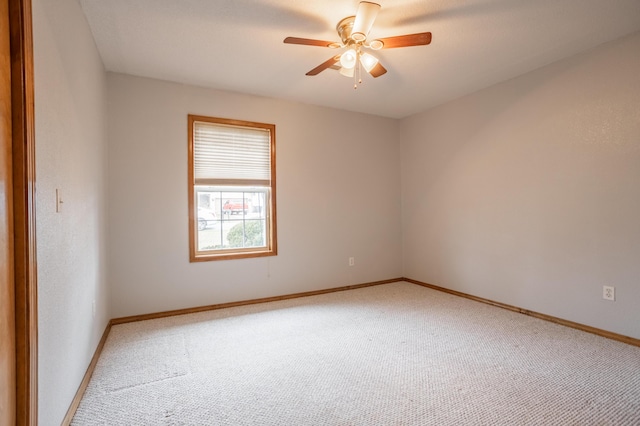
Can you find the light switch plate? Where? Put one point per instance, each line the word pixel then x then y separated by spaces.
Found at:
pixel 58 201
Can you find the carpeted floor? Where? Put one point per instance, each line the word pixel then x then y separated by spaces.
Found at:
pixel 394 354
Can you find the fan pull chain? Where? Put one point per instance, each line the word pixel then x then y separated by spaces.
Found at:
pixel 357 74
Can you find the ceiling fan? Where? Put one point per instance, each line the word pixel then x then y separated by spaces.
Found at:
pixel 353 32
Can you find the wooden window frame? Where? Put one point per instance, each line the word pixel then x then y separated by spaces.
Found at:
pixel 196 255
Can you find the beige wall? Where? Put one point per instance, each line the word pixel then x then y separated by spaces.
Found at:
pixel 70 108
pixel 528 192
pixel 337 196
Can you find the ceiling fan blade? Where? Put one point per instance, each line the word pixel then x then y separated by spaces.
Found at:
pixel 309 42
pixel 378 70
pixel 365 16
pixel 418 39
pixel 323 66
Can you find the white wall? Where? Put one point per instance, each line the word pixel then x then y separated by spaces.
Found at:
pixel 70 108
pixel 337 196
pixel 528 192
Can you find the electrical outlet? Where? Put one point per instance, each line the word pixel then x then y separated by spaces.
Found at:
pixel 608 292
pixel 352 261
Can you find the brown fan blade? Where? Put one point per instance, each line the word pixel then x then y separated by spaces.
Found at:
pixel 323 66
pixel 418 39
pixel 309 42
pixel 378 70
pixel 365 16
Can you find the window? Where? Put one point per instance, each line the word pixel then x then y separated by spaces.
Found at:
pixel 232 192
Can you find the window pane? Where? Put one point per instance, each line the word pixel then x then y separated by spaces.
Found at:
pixel 231 218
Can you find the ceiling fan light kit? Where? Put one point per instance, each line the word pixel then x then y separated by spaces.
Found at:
pixel 353 32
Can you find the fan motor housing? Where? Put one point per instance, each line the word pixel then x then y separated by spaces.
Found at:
pixel 344 28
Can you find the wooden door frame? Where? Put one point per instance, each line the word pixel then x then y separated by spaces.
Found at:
pixel 24 218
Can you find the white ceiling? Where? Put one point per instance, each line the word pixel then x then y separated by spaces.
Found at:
pixel 236 45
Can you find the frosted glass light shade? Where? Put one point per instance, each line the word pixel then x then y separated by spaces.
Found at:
pixel 368 61
pixel 348 59
pixel 347 72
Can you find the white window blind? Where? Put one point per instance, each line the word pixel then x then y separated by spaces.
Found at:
pixel 224 152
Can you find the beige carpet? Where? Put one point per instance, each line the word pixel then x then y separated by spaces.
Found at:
pixel 395 354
